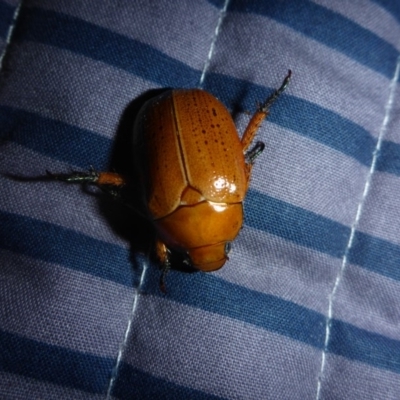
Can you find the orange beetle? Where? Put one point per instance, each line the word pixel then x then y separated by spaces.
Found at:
pixel 194 171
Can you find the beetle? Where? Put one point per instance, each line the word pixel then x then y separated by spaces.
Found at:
pixel 194 174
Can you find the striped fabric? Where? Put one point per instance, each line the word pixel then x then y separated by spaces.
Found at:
pixel 308 307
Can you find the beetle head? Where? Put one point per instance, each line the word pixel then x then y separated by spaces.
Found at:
pixel 210 258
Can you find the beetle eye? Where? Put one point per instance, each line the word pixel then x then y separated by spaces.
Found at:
pixel 228 247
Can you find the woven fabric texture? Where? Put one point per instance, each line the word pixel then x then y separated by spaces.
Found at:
pixel 308 306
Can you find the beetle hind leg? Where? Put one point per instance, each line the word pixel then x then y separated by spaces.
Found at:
pixel 261 113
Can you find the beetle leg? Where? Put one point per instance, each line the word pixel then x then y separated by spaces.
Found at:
pixel 252 128
pixel 253 153
pixel 250 157
pixel 165 270
pixel 261 113
pixel 163 254
pixel 92 176
pixel 109 182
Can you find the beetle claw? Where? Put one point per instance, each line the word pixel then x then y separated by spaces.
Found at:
pixel 267 104
pixel 75 176
pixel 253 153
pixel 165 270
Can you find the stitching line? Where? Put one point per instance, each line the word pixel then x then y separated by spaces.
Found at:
pixel 122 347
pixel 382 131
pixel 9 33
pixel 222 14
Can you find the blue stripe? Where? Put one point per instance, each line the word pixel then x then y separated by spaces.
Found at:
pixel 375 254
pixel 327 27
pixel 322 234
pixel 54 364
pixel 219 4
pixel 55 244
pixel 100 44
pixel 215 295
pixel 142 60
pixel 73 145
pixel 293 223
pixel 391 6
pixel 371 348
pixel 134 384
pixel 6 19
pixel 389 158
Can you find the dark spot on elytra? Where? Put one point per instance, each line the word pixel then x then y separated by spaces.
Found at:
pixel 205 142
pixel 214 112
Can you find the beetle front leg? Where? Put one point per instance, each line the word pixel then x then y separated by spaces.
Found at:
pixel 163 255
pixel 259 116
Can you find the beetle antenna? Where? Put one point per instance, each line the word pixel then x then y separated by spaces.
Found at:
pixel 271 99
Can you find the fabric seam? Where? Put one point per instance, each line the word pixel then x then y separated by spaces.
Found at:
pixel 222 14
pixel 382 131
pixel 10 33
pixel 122 347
